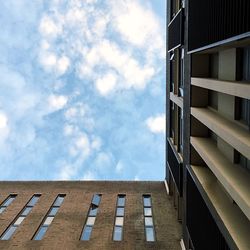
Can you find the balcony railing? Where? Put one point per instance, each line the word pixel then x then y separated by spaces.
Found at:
pixel 214 21
pixel 175 168
pixel 201 226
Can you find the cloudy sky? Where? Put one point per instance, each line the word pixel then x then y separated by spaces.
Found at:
pixel 82 89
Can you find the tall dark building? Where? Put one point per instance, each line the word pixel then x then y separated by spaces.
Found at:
pixel 208 111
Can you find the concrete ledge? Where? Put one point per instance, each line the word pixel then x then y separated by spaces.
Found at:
pixel 182 245
pixel 232 217
pixel 176 99
pixel 166 186
pixel 234 178
pixel 235 135
pixel 239 89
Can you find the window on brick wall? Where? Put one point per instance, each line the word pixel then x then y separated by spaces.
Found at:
pixel 148 218
pixel 7 202
pixel 47 220
pixel 20 218
pixel 90 221
pixel 119 218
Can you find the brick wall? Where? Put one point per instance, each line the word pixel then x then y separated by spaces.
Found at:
pixel 66 228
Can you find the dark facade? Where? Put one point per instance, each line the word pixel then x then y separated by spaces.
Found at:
pixel 87 215
pixel 208 106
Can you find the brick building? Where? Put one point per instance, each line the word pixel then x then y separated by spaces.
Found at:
pixel 87 215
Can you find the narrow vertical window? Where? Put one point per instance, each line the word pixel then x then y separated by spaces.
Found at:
pixel 148 218
pixel 89 224
pixel 20 218
pixel 7 202
pixel 119 217
pixel 49 217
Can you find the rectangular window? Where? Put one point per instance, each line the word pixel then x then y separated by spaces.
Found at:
pixel 20 218
pixel 148 218
pixel 172 120
pixel 89 224
pixel 213 99
pixel 180 137
pixel 119 219
pixel 241 160
pixel 47 220
pixel 7 202
pixel 246 64
pixel 181 73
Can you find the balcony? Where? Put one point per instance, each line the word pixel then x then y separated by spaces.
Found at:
pixel 203 230
pixel 230 132
pixel 239 89
pixel 235 222
pixel 213 22
pixel 234 179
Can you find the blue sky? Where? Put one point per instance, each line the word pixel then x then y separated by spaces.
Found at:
pixel 82 90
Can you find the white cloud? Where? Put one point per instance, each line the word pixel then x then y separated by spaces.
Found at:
pixel 80 146
pixel 68 130
pixel 51 62
pixel 76 113
pixel 103 161
pixel 4 128
pixel 85 32
pixel 57 102
pixel 49 28
pixel 45 45
pixel 136 178
pixel 48 60
pixel 157 124
pixel 119 167
pixel 3 120
pixel 96 143
pixel 63 64
pixel 70 113
pixel 106 84
pixel 136 23
pixel 66 172
pixel 83 142
pixel 89 175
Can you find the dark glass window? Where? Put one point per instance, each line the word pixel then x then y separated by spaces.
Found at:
pixel 246 64
pixel 242 111
pixel 241 160
pixel 213 99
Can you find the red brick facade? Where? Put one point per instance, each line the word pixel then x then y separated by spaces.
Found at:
pixel 65 230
